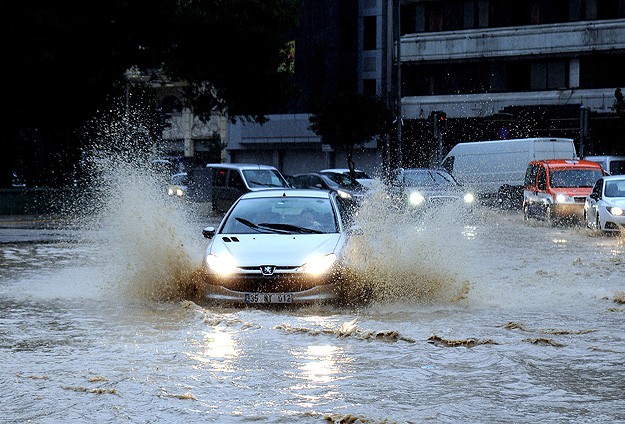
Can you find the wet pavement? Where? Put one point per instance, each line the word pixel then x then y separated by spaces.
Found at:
pixel 36 228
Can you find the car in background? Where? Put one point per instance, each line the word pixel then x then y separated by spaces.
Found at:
pixel 419 188
pixel 556 189
pixel 360 176
pixel 278 247
pixel 178 185
pixel 347 187
pixel 605 205
pixel 613 165
pixel 226 182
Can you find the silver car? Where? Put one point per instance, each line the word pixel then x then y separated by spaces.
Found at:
pixel 604 207
pixel 278 247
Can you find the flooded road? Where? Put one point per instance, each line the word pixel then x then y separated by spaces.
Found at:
pixel 491 320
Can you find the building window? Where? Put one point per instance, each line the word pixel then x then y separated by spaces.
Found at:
pixel 370 33
pixel 549 75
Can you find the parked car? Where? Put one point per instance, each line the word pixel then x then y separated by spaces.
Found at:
pixel 228 181
pixel 605 205
pixel 495 169
pixel 422 187
pixel 613 165
pixel 178 185
pixel 558 188
pixel 347 187
pixel 360 176
pixel 278 246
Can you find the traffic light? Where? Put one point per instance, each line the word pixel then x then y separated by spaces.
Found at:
pixel 439 121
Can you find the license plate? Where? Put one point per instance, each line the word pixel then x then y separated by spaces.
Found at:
pixel 268 298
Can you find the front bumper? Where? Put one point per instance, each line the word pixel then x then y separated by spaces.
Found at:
pixel 323 293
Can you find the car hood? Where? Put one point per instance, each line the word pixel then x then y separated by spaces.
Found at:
pixel 620 202
pixel 275 249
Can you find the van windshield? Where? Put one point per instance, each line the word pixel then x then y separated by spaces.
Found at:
pixel 257 178
pixel 575 178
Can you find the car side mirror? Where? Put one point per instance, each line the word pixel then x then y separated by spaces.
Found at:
pixel 208 232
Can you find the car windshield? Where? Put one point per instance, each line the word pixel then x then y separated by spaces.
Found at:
pixel 179 179
pixel 575 177
pixel 427 178
pixel 343 180
pixel 257 178
pixel 615 188
pixel 282 215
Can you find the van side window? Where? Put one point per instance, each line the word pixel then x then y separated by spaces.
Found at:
pixel 530 175
pixel 235 180
pixel 617 167
pixel 542 179
pixel 219 179
pixel 448 164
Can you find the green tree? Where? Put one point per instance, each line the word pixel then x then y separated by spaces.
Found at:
pixel 346 120
pixel 63 60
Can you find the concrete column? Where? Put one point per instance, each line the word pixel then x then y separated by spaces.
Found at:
pixel 574 73
pixel 187 132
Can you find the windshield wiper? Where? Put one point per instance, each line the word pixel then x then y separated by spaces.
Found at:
pixel 261 228
pixel 265 184
pixel 291 228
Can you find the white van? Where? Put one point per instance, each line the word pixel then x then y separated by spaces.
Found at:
pixel 613 165
pixel 496 168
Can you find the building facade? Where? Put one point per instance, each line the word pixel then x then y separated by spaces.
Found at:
pixel 497 68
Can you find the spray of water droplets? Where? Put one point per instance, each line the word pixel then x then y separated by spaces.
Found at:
pixel 402 256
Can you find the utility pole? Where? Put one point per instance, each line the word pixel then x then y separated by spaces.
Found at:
pixel 398 111
pixel 584 113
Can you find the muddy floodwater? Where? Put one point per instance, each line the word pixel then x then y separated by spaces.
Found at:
pixel 491 320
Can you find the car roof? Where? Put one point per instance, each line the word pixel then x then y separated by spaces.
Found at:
pixel 569 163
pixel 613 177
pixel 425 169
pixel 288 192
pixel 240 166
pixel 341 170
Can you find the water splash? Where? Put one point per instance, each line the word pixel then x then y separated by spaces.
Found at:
pixel 150 243
pixel 405 257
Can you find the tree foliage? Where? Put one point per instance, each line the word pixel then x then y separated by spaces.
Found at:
pixel 64 60
pixel 346 120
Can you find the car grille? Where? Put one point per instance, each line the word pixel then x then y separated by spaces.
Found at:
pixel 580 199
pixel 441 200
pixel 284 279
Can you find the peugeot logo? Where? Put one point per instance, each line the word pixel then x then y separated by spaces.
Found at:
pixel 267 269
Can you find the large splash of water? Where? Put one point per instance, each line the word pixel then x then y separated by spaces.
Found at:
pixel 407 257
pixel 151 244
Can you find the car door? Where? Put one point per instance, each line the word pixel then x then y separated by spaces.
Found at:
pixel 542 198
pixel 593 200
pixel 529 188
pixel 236 187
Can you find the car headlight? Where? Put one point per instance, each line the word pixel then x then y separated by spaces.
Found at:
pixel 179 192
pixel 469 198
pixel 170 191
pixel 560 198
pixel 416 198
pixel 320 264
pixel 222 265
pixel 615 210
pixel 344 194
